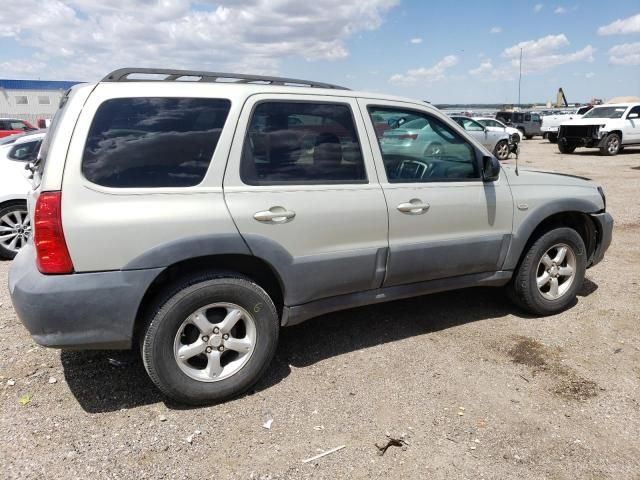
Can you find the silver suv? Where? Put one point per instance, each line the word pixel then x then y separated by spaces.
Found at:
pixel 195 218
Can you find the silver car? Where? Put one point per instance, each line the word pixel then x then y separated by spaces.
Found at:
pixel 193 220
pixel 493 140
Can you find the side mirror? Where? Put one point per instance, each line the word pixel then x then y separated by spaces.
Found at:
pixel 632 115
pixel 490 168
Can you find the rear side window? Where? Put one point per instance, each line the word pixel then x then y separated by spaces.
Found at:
pixel 302 143
pixel 153 142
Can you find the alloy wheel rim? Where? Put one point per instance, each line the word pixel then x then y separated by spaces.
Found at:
pixel 15 229
pixel 215 342
pixel 556 271
pixel 613 145
pixel 503 151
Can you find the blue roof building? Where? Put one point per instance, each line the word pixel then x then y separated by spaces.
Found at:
pixel 31 100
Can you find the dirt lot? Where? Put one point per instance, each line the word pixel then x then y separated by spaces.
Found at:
pixel 478 389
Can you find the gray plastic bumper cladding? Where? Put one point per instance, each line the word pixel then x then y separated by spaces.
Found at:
pixel 604 224
pixel 81 310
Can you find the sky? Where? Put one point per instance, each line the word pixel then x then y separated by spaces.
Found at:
pixel 440 51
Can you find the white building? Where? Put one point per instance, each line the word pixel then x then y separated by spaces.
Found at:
pixel 31 100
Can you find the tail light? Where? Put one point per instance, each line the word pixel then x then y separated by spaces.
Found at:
pixel 51 248
pixel 408 136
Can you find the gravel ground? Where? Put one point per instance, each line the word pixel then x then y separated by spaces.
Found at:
pixel 477 389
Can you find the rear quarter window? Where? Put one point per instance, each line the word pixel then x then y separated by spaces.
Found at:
pixel 153 141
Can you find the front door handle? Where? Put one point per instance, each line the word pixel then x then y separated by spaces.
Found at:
pixel 415 206
pixel 275 215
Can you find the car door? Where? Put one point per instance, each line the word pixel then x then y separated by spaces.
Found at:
pixel 631 132
pixel 486 137
pixel 305 196
pixel 444 221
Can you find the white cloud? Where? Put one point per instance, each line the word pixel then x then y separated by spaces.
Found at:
pixel 538 7
pixel 534 48
pixel 621 26
pixel 424 74
pixel 537 56
pixel 483 69
pixel 627 54
pixel 416 41
pixel 589 75
pixel 495 30
pixel 84 39
pixel 560 10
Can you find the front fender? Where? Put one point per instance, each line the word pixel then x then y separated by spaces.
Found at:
pixel 522 233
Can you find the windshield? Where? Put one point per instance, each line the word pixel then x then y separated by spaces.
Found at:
pixel 606 112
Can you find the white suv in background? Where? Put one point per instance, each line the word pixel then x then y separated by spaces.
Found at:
pixel 607 127
pixel 15 226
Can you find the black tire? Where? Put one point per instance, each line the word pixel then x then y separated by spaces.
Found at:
pixel 191 294
pixel 9 209
pixel 565 147
pixel 501 151
pixel 522 132
pixel 528 137
pixel 523 287
pixel 552 137
pixel 611 145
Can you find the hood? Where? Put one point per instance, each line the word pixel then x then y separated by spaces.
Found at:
pixel 588 121
pixel 539 177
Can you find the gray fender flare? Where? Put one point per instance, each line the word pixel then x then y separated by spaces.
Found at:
pixel 536 217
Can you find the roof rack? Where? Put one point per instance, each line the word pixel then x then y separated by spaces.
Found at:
pixel 122 75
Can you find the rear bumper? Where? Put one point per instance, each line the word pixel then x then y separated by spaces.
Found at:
pixel 82 310
pixel 604 224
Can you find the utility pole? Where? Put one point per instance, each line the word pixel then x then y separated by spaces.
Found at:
pixel 520 79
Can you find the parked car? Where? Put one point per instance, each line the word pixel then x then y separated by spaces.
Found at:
pixel 550 123
pixel 498 126
pixel 527 122
pixel 608 127
pixel 15 225
pixel 167 218
pixel 16 136
pixel 11 126
pixel 497 141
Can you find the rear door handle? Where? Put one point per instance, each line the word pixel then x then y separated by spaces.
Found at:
pixel 415 206
pixel 275 215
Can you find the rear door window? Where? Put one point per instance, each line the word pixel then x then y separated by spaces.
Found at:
pixel 304 143
pixel 153 141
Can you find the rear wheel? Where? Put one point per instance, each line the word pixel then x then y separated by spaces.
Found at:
pixel 553 137
pixel 15 229
pixel 210 339
pixel 550 273
pixel 611 145
pixel 528 137
pixel 502 150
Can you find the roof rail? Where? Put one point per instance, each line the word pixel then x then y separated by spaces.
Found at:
pixel 122 75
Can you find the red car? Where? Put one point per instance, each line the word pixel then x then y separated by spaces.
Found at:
pixel 11 126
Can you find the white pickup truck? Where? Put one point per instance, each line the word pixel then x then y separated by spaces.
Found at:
pixel 551 123
pixel 608 127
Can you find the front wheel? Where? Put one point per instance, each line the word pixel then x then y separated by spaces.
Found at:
pixel 551 273
pixel 211 339
pixel 611 145
pixel 565 147
pixel 502 150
